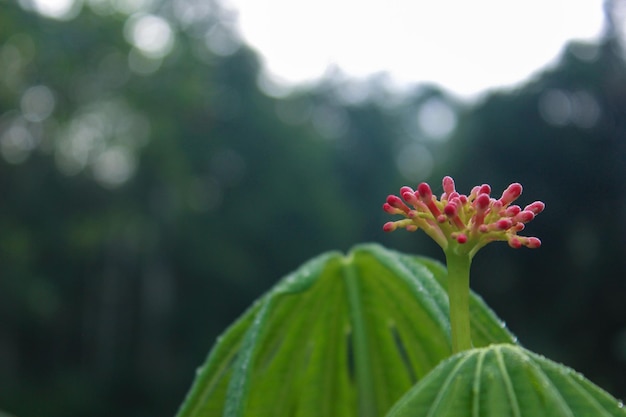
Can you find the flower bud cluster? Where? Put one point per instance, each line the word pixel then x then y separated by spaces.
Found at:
pixel 465 222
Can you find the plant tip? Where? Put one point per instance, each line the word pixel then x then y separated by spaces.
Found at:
pixel 464 223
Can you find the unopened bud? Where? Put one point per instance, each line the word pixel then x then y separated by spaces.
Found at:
pixel 511 194
pixel 448 185
pixel 524 216
pixel 425 193
pixel 536 207
pixel 389 226
pixel 533 243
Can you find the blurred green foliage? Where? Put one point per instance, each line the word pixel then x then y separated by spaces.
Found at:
pixel 146 201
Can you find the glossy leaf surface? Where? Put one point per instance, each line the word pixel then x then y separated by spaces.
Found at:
pixel 340 336
pixel 505 381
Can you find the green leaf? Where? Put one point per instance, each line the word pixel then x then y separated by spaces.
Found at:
pixel 505 381
pixel 340 336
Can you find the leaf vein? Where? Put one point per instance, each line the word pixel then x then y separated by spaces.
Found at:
pixel 435 405
pixel 509 386
pixel 549 385
pixel 476 385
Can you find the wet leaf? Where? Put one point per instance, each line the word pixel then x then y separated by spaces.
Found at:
pixel 505 381
pixel 340 336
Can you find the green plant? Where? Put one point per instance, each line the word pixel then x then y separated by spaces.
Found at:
pixel 378 332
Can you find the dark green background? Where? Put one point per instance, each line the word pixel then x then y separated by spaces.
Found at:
pixel 111 296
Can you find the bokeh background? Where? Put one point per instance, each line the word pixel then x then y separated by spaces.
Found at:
pixel 149 195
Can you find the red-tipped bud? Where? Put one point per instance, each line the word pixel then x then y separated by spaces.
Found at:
pixel 524 216
pixel 512 211
pixel 411 227
pixel 450 209
pixel 504 224
pixel 461 238
pixel 406 189
pixel 448 185
pixel 484 189
pixel 515 243
pixel 389 226
pixel 410 198
pixel 482 205
pixel 388 209
pixel 453 196
pixel 536 207
pixel 441 218
pixel 533 243
pixel 511 194
pixel 482 202
pixel 425 193
pixel 394 201
pixel 500 225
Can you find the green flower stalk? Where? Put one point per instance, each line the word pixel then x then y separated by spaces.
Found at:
pixel 461 225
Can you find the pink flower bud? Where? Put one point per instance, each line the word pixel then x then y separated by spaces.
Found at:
pixel 533 243
pixel 454 196
pixel 524 216
pixel 482 202
pixel 504 224
pixel 512 211
pixel 450 209
pixel 410 198
pixel 482 205
pixel 448 185
pixel 425 193
pixel 514 242
pixel 511 194
pixel 391 210
pixel 406 189
pixel 389 226
pixel 536 207
pixel 394 201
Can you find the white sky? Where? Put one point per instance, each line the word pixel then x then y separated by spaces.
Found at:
pixel 466 46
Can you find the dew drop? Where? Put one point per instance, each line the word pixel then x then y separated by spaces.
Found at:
pixel 620 404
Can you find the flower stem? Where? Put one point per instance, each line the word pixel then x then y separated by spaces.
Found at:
pixel 458 293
